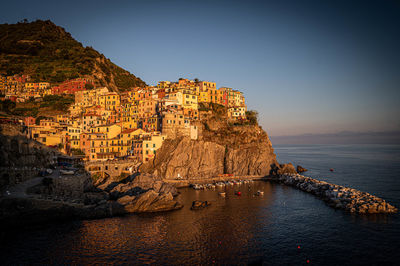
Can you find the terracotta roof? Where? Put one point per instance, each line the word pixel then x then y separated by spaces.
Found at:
pixel 129 130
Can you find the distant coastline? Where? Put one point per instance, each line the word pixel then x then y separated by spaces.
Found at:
pixel 390 137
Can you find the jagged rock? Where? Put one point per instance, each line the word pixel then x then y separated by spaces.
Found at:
pixel 126 199
pixel 286 168
pixel 198 204
pixel 128 189
pixel 301 169
pixel 94 198
pixel 152 201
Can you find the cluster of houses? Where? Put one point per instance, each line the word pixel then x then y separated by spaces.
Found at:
pixel 103 125
pixel 20 88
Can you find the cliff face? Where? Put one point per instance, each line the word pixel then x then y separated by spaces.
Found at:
pixel 222 149
pixel 188 158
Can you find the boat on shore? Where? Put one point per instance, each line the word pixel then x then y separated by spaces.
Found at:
pixel 67 172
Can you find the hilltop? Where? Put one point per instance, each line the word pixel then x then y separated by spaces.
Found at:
pixel 47 52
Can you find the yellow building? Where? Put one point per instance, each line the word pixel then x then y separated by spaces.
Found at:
pixel 100 147
pixel 151 146
pixel 47 123
pixel 73 134
pixel 189 100
pixel 237 112
pixel 163 84
pixel 111 131
pixel 128 115
pixel 89 97
pixel 147 107
pixel 206 85
pixel 47 135
pixel 91 120
pixel 110 101
pixel 203 97
pixel 62 119
pixel 126 140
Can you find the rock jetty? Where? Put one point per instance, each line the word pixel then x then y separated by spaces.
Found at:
pixel 339 197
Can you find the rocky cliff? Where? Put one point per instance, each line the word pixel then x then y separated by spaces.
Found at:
pixel 222 148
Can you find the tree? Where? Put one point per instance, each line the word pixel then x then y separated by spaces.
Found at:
pixel 7 105
pixel 252 116
pixel 37 122
pixel 89 86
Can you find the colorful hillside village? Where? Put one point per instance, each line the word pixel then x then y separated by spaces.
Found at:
pixel 103 125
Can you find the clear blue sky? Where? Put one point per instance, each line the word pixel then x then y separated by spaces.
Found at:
pixel 306 66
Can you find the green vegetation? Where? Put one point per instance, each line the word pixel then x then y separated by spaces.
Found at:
pixel 57 102
pixel 252 117
pixel 7 106
pixel 49 104
pixel 217 109
pixel 49 53
pixel 37 121
pixel 89 86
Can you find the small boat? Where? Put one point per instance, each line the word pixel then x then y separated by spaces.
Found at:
pixel 259 193
pixel 197 187
pixel 222 194
pixel 67 172
pixel 331 169
pixel 220 184
pixel 238 193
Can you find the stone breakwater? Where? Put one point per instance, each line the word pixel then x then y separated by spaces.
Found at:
pixel 339 197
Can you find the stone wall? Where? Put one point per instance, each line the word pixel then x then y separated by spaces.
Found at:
pixel 21 158
pixel 112 168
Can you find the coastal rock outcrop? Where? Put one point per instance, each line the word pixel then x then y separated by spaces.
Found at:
pixel 187 158
pixel 222 149
pixel 198 204
pixel 339 197
pixel 301 169
pixel 149 201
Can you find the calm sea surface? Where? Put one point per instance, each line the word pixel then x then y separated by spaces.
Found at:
pixel 241 230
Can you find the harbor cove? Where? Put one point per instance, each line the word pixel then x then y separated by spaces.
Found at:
pixel 283 226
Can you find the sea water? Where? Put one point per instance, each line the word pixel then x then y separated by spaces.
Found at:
pixel 285 226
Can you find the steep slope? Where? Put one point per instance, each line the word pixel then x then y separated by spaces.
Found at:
pixel 48 53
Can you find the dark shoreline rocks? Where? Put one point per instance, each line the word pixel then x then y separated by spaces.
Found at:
pixel 301 169
pixel 339 197
pixel 198 204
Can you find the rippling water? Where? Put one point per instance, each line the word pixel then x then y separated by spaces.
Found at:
pixel 241 229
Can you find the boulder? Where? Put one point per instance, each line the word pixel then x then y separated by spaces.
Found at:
pixel 300 169
pixel 126 200
pixel 198 204
pixel 152 201
pixel 91 198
